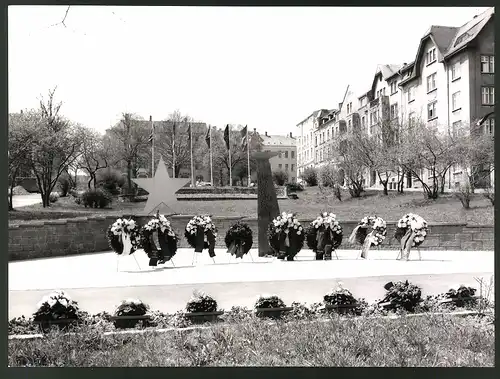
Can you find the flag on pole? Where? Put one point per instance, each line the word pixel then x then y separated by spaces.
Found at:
pixel 152 135
pixel 244 137
pixel 207 137
pixel 226 136
pixel 189 133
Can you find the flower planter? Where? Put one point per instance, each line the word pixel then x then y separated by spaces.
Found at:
pixel 201 317
pixel 341 308
pixel 459 301
pixel 274 313
pixel 62 323
pixel 128 322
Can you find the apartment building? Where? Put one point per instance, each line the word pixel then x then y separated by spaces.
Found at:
pixel 450 82
pixel 306 147
pixel 286 147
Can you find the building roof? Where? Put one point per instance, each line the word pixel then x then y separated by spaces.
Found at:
pixel 271 140
pixel 315 114
pixel 388 70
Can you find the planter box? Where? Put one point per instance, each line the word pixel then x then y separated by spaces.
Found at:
pixel 458 300
pixel 126 322
pixel 274 313
pixel 341 308
pixel 62 323
pixel 200 317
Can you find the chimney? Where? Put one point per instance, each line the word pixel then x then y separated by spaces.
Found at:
pixel 255 130
pixel 266 134
pixel 291 135
pixel 150 118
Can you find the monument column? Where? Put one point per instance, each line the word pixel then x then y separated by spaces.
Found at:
pixel 267 201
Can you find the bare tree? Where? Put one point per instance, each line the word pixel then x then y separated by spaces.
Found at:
pixel 56 146
pixel 94 155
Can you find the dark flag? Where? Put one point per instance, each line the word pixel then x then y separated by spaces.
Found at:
pixel 226 136
pixel 207 137
pixel 173 129
pixel 152 135
pixel 244 137
pixel 189 133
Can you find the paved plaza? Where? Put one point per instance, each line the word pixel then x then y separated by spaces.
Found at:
pixel 93 279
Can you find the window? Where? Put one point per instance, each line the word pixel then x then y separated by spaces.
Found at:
pixel 431 56
pixel 328 133
pixel 488 95
pixel 279 154
pixel 293 167
pixel 431 110
pixel 411 94
pixel 286 154
pixel 455 126
pixel 487 64
pixel 280 166
pixel 323 136
pixel 394 87
pixel 455 101
pixel 373 118
pixel 349 124
pixel 431 82
pixel 363 121
pixel 315 140
pixel 489 126
pixel 394 111
pixel 455 71
pixel 286 167
pixel 293 154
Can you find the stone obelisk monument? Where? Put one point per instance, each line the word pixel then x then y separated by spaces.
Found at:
pixel 267 201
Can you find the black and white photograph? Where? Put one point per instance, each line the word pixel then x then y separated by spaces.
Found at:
pixel 250 186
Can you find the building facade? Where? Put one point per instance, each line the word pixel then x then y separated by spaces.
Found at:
pixel 450 83
pixel 286 147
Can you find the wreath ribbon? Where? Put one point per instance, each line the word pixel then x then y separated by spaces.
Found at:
pixel 406 242
pixel 352 237
pixel 211 243
pixel 370 238
pixel 127 243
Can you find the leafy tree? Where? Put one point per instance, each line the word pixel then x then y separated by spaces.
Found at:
pixel 280 177
pixel 310 176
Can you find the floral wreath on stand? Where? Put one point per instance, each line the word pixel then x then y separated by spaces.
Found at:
pixel 411 231
pixel 239 239
pixel 159 240
pixel 286 236
pixel 124 236
pixel 323 235
pixel 368 238
pixel 200 234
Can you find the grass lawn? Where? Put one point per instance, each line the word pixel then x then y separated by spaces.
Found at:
pixel 310 202
pixel 442 341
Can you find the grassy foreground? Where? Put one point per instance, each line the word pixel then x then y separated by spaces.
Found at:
pixel 433 340
pixel 311 201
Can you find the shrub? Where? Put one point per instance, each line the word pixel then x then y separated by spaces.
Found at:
pixel 310 176
pixel 53 197
pixel 489 193
pixel 280 177
pixel 402 295
pixel 64 184
pixel 464 194
pixel 129 307
pixel 55 307
pixel 294 187
pixel 201 302
pixel 269 301
pixel 111 180
pixel 341 296
pixel 96 198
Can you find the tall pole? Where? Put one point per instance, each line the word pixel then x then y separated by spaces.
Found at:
pixel 173 150
pixel 230 173
pixel 152 147
pixel 248 159
pixel 210 151
pixel 191 151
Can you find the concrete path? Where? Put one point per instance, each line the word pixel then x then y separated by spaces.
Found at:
pixel 24 200
pixel 93 279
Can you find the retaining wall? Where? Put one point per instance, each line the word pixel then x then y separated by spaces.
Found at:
pixel 87 235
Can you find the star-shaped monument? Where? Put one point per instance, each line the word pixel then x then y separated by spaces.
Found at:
pixel 161 188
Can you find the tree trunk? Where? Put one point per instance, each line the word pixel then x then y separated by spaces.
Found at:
pixel 129 176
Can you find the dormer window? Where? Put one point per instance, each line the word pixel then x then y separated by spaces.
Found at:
pixel 431 56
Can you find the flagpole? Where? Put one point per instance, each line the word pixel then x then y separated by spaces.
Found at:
pixel 173 150
pixel 152 147
pixel 248 158
pixel 191 150
pixel 229 149
pixel 210 152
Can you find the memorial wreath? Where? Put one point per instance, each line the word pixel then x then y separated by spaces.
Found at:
pixel 323 235
pixel 159 240
pixel 370 231
pixel 124 236
pixel 286 236
pixel 200 233
pixel 239 239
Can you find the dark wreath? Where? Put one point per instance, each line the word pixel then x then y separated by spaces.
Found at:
pixel 401 232
pixel 276 240
pixel 239 239
pixel 312 238
pixel 168 245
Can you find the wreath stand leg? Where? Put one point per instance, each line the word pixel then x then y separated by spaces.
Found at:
pixel 251 256
pixel 399 255
pixel 137 262
pixel 419 254
pixel 195 259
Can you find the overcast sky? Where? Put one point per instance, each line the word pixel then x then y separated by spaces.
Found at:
pixel 262 66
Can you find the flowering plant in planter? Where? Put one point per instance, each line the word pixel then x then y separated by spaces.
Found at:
pixel 370 231
pixel 411 231
pixel 286 236
pixel 270 306
pixel 56 308
pixel 341 300
pixel 402 295
pixel 239 239
pixel 159 240
pixel 324 230
pixel 462 296
pixel 129 308
pixel 201 302
pixel 123 236
pixel 200 233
